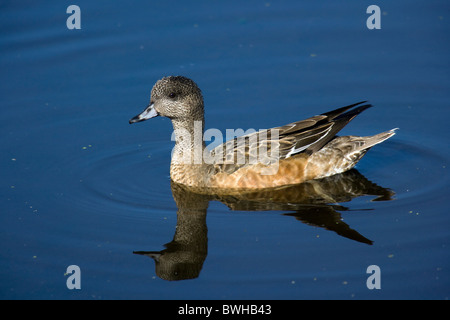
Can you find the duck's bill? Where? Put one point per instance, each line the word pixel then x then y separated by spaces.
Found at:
pixel 148 113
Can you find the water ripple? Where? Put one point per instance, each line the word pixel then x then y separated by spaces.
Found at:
pixel 125 181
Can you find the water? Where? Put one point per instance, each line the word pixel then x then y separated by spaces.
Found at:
pixel 80 186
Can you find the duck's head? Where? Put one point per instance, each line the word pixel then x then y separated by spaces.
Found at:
pixel 174 97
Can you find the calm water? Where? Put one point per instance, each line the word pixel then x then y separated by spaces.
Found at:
pixel 80 186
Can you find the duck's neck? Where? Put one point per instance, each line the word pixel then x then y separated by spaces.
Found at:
pixel 188 166
pixel 189 144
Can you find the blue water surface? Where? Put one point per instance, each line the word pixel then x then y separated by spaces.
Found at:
pixel 80 186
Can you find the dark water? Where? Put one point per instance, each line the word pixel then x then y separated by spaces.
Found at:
pixel 80 186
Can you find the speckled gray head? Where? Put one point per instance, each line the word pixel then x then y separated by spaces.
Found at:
pixel 174 97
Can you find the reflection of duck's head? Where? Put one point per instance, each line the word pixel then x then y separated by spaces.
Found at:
pixel 184 256
pixel 175 263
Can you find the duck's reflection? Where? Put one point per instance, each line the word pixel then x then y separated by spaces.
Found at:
pixel 184 255
pixel 313 202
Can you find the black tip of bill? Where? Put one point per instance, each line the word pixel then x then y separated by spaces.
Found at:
pixel 135 119
pixel 148 113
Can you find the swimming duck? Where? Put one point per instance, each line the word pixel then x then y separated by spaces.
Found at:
pixel 286 155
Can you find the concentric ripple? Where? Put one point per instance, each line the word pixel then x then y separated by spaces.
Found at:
pixel 125 180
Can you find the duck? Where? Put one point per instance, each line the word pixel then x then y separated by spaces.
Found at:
pixel 286 155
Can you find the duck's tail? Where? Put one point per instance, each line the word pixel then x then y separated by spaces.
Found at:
pixel 370 141
pixel 342 153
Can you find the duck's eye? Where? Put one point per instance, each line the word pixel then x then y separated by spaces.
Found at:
pixel 172 95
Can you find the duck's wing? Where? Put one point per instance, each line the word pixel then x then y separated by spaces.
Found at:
pixel 312 134
pixel 271 145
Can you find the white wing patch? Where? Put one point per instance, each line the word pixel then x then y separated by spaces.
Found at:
pixel 302 148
